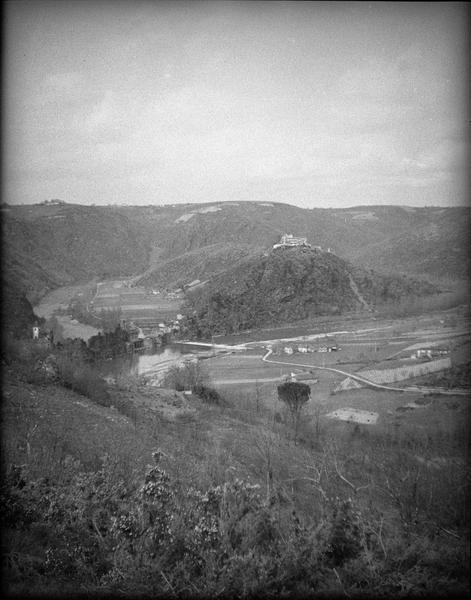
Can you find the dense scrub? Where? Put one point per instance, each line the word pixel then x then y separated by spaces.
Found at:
pixel 70 364
pixel 192 377
pixel 16 314
pixel 95 531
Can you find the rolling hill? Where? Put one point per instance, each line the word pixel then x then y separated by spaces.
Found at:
pixel 49 246
pixel 291 284
pixel 429 242
pixel 46 246
pixel 202 263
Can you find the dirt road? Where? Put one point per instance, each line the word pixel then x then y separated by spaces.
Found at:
pixel 412 390
pixel 248 380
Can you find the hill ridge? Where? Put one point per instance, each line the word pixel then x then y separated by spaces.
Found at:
pixel 46 246
pixel 288 285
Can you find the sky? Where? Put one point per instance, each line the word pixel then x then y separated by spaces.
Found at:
pixel 316 104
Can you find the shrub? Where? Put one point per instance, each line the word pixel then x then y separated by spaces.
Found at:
pixel 208 394
pixel 82 378
pixel 159 537
pixel 185 377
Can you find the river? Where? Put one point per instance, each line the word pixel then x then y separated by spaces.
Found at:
pixel 151 365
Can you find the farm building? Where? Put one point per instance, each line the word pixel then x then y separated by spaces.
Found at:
pixel 53 202
pixel 430 352
pixel 135 333
pixel 332 347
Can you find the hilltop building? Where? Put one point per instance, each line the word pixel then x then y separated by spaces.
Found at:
pixel 53 201
pixel 288 240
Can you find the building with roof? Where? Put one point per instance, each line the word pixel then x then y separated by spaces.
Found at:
pixel 288 240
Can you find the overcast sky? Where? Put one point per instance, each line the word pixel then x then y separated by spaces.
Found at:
pixel 309 103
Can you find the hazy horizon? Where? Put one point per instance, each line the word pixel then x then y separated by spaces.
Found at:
pixel 317 104
pixel 233 202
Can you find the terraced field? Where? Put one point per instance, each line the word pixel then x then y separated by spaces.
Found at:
pixel 136 303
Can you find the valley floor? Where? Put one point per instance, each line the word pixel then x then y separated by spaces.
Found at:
pixel 150 489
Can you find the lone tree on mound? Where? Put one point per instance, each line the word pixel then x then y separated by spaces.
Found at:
pixel 295 395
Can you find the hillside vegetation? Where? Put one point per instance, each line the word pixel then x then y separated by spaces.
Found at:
pixel 159 496
pixel 288 285
pixel 49 246
pixel 202 263
pixel 46 246
pixel 17 314
pixel 431 242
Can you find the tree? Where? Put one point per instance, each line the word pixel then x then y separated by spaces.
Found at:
pixel 295 395
pixel 110 318
pixel 185 377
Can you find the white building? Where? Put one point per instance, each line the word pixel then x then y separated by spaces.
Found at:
pixel 288 240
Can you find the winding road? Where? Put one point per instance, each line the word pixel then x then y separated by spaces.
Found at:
pixel 411 389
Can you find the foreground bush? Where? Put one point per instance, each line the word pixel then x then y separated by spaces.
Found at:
pixel 158 537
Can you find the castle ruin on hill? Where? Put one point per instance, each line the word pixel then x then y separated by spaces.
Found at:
pixel 289 241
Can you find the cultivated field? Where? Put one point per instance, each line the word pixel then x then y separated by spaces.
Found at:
pixel 136 303
pixel 385 345
pixel 61 297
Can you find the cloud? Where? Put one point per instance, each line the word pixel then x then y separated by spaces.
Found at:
pixel 61 86
pixel 191 100
pixel 103 115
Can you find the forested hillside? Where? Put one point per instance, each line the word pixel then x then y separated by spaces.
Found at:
pixel 287 285
pixel 49 246
pixel 46 246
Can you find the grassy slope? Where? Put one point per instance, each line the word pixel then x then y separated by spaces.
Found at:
pixel 201 264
